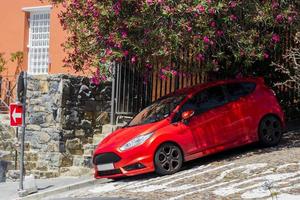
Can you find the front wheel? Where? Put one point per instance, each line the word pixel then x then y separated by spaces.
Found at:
pixel 270 131
pixel 168 159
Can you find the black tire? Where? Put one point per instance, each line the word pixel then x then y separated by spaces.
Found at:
pixel 168 159
pixel 270 131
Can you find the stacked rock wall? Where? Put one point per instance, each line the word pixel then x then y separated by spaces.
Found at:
pixel 7 148
pixel 64 113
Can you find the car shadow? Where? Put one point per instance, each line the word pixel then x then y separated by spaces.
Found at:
pixel 290 139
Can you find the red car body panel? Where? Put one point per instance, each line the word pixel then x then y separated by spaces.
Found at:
pixel 231 125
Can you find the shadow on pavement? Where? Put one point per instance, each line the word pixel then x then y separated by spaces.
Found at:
pixel 290 139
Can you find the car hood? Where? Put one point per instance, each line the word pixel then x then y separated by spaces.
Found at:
pixel 121 136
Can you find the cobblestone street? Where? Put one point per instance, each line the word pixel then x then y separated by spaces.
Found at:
pixel 244 173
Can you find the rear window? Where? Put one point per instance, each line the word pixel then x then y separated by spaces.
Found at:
pixel 237 90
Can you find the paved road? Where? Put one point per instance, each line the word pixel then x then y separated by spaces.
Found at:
pixel 245 173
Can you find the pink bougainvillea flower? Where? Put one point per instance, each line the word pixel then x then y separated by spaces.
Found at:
pixel 200 57
pixel 213 24
pixel 125 53
pixel 275 4
pixel 279 18
pixel 189 28
pixel 212 11
pixel 118 45
pixel 124 34
pixel 219 33
pixel 117 7
pixel 266 56
pixel 103 60
pixel 149 2
pixel 149 66
pixel 290 19
pixel 275 38
pixel 133 59
pixel 160 1
pixel 200 8
pixel 108 52
pixel 96 77
pixel 233 17
pixel 208 1
pixel 232 4
pixel 206 40
pixel 174 72
pixel 163 70
pixel 163 77
pixel 95 80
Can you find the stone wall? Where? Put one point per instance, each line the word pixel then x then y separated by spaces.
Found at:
pixel 64 116
pixel 7 147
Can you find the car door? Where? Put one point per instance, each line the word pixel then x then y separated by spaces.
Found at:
pixel 210 123
pixel 241 106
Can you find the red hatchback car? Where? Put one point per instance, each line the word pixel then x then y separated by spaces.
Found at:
pixel 191 123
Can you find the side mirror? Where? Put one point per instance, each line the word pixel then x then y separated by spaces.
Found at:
pixel 187 115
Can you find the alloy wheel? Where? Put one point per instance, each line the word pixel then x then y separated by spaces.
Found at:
pixel 168 159
pixel 270 131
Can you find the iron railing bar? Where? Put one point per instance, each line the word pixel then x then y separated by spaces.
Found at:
pixel 118 88
pixel 123 86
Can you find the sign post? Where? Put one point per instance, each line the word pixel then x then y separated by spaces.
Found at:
pixel 17 118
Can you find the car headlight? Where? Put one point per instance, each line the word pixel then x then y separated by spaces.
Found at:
pixel 136 141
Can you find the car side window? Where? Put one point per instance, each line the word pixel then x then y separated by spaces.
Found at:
pixel 237 90
pixel 206 100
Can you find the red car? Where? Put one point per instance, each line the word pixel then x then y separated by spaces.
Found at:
pixel 191 123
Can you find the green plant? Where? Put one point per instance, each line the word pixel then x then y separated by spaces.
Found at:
pixel 2 62
pixel 18 58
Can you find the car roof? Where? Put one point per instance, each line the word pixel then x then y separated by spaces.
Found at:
pixel 196 88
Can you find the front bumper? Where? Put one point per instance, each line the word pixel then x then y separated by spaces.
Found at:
pixel 128 163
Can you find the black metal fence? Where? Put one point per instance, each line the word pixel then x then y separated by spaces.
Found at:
pixel 7 92
pixel 132 92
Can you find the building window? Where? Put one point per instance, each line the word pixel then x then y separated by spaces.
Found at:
pixel 38 46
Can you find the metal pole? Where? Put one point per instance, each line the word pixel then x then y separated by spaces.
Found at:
pixel 21 187
pixel 112 112
pixel 16 150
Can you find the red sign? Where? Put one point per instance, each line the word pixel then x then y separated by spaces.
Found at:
pixel 15 114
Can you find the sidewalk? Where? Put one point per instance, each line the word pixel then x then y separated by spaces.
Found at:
pixel 45 186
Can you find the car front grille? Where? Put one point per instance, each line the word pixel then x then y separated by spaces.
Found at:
pixel 106 158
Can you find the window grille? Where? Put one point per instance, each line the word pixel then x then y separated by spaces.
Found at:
pixel 39 34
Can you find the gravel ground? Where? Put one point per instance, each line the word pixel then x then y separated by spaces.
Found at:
pixel 245 173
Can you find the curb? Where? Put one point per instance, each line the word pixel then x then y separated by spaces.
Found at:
pixel 41 195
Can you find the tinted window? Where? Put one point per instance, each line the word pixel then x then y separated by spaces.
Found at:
pixel 237 90
pixel 206 100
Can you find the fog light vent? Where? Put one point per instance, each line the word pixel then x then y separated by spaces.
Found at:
pixel 134 167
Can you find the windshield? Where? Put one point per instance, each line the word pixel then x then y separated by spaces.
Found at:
pixel 157 111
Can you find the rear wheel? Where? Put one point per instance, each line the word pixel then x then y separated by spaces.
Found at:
pixel 270 131
pixel 168 159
